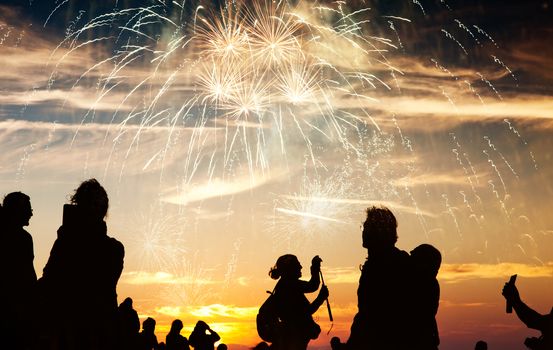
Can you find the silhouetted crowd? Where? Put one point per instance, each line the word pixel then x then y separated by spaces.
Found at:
pixel 73 306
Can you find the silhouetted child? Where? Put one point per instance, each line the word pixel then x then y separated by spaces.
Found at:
pixel 222 346
pixel 426 261
pixel 147 339
pixel 481 345
pixel 17 273
pixel 129 325
pixel 203 337
pixel 174 340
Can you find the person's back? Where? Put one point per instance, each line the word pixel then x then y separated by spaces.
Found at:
pixel 17 293
pixel 426 261
pixel 80 278
pixel 147 339
pixel 203 337
pixel 383 319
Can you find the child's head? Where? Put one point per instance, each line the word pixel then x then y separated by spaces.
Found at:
pixel 427 258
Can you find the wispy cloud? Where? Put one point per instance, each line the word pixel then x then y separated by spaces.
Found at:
pixel 148 278
pixel 227 311
pixel 365 202
pixel 217 187
pixel 456 273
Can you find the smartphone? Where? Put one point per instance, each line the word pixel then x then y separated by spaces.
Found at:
pixel 509 307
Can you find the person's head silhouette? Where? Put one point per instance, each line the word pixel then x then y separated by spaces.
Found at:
pixel 176 326
pixel 481 345
pixel 222 346
pixel 335 343
pixel 427 259
pixel 92 198
pixel 379 230
pixel 287 266
pixel 149 325
pixel 126 304
pixel 17 209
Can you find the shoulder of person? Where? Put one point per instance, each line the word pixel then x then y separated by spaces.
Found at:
pixel 116 246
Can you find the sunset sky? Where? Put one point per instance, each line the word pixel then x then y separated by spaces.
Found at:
pixel 220 156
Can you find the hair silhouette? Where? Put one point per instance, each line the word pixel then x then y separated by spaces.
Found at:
pixel 92 198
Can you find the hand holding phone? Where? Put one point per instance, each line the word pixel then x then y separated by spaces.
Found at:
pixel 511 283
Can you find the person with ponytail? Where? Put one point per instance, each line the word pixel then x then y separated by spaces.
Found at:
pixel 294 310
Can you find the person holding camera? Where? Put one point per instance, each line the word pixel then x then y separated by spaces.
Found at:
pixel 78 284
pixel 294 310
pixel 531 318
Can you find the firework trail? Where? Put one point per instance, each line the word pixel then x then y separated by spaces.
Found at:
pixel 158 244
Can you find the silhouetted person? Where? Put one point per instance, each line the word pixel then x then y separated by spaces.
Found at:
pixel 383 318
pixel 17 289
pixel 222 346
pixel 481 345
pixel 129 325
pixel 174 340
pixel 426 261
pixel 294 310
pixel 531 318
pixel 147 339
pixel 335 343
pixel 79 281
pixel 203 337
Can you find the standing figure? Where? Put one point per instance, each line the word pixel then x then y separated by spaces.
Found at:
pixel 78 284
pixel 174 340
pixel 203 337
pixel 384 310
pixel 17 291
pixel 294 310
pixel 426 261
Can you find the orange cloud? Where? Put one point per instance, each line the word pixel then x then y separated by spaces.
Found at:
pixel 454 273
